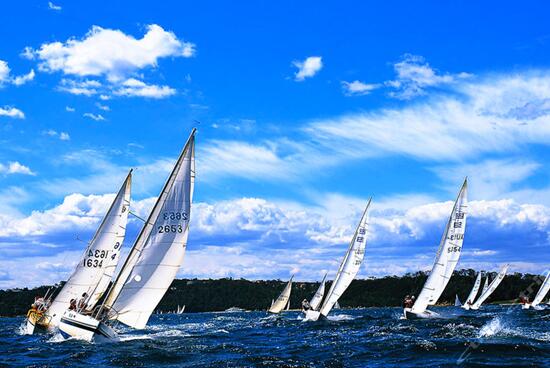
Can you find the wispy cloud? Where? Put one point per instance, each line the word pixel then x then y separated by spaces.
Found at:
pixel 358 88
pixel 307 68
pixel 6 78
pixel 61 135
pixel 96 117
pixel 52 6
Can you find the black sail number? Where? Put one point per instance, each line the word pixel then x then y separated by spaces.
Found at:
pixel 170 229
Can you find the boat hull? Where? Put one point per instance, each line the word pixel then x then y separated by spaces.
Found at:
pixel 409 314
pixel 525 306
pixel 36 320
pixel 311 315
pixel 85 327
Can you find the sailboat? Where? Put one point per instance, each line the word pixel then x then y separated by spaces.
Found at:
pixel 540 294
pixel 473 293
pixel 152 263
pixel 283 301
pixel 180 310
pixel 94 271
pixel 446 259
pixel 457 301
pixel 315 302
pixel 346 273
pixel 492 287
pixel 485 284
pixel 336 305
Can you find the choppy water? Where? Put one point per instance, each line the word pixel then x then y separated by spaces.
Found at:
pixel 375 337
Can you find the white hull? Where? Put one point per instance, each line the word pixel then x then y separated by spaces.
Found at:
pixel 29 327
pixel 311 315
pixel 84 327
pixel 525 306
pixel 465 306
pixel 409 314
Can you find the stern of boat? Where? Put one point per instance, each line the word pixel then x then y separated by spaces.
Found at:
pixel 409 314
pixel 85 327
pixel 311 315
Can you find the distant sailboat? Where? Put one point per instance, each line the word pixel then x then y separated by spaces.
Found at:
pixel 336 305
pixel 315 302
pixel 95 269
pixel 348 269
pixel 485 284
pixel 152 263
pixel 544 288
pixel 457 301
pixel 283 300
pixel 446 260
pixel 492 287
pixel 180 310
pixel 473 293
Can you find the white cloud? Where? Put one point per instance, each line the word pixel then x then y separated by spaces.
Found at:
pixel 6 78
pixel 69 109
pixel 11 112
pixel 414 74
pixel 22 79
pixel 52 6
pixel 61 135
pixel 111 53
pixel 83 87
pixel 136 88
pixel 358 88
pixel 96 117
pixel 102 107
pixel 15 167
pixel 308 68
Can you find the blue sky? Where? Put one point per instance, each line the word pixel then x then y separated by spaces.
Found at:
pixel 306 110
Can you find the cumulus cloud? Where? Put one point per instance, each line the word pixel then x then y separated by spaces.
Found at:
pixel 307 68
pixel 15 167
pixel 69 109
pixel 84 87
pixel 6 78
pixel 358 88
pixel 12 112
pixel 256 238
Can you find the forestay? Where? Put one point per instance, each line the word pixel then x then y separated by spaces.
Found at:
pixel 350 264
pixel 542 291
pixel 97 265
pixel 492 287
pixel 158 251
pixel 447 256
pixel 475 289
pixel 283 300
pixel 318 297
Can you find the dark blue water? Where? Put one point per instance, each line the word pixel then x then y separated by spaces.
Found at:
pixel 376 337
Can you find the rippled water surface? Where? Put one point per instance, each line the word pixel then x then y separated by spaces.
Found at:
pixel 496 336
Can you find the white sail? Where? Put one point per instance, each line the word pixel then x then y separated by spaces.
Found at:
pixel 492 287
pixel 278 305
pixel 180 310
pixel 457 301
pixel 158 251
pixel 485 284
pixel 350 264
pixel 95 269
pixel 318 297
pixel 542 291
pixel 473 293
pixel 447 256
pixel 336 305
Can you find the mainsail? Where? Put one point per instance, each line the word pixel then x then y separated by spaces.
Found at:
pixel 542 291
pixel 491 287
pixel 158 251
pixel 97 265
pixel 283 300
pixel 472 296
pixel 447 256
pixel 485 284
pixel 350 264
pixel 318 297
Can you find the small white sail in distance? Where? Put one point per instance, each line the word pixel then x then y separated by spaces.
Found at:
pixel 318 297
pixel 492 287
pixel 158 251
pixel 96 267
pixel 473 293
pixel 447 256
pixel 457 301
pixel 348 268
pixel 544 288
pixel 283 300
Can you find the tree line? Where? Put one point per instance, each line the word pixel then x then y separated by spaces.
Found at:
pixel 221 294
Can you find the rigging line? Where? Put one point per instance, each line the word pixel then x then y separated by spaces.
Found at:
pixel 138 217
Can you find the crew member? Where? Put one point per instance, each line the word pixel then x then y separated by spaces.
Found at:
pixel 305 305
